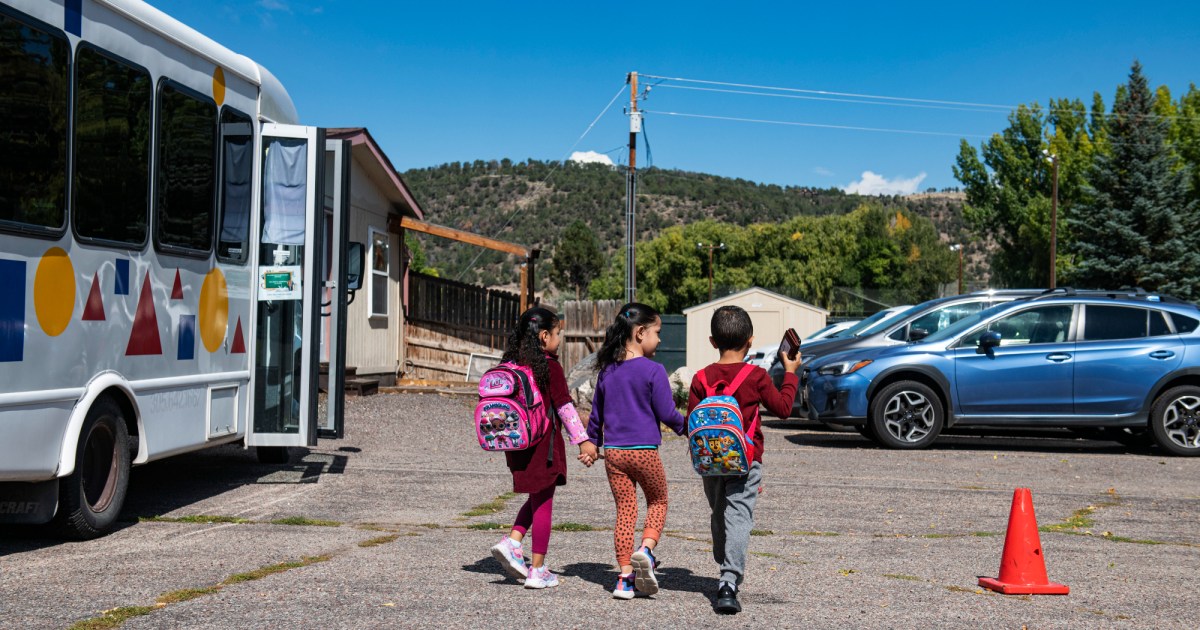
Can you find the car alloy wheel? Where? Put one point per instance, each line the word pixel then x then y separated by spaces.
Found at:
pixel 906 415
pixel 1175 420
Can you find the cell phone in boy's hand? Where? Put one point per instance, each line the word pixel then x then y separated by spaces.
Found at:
pixel 790 344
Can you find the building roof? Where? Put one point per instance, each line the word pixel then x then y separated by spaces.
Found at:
pixel 379 168
pixel 731 297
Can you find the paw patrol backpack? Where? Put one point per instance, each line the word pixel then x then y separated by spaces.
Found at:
pixel 716 435
pixel 511 414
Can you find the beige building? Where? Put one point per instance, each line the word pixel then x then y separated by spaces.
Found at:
pixel 770 312
pixel 378 199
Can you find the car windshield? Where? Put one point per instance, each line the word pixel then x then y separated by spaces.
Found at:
pixel 818 332
pixel 893 317
pixel 858 328
pixel 966 323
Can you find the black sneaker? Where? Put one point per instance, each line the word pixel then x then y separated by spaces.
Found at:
pixel 727 601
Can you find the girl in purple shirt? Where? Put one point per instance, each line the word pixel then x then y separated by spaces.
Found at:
pixel 632 397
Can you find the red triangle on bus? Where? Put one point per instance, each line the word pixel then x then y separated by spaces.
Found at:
pixel 93 311
pixel 239 341
pixel 145 336
pixel 177 290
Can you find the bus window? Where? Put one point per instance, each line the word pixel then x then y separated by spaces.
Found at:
pixel 112 148
pixel 237 171
pixel 185 181
pixel 33 125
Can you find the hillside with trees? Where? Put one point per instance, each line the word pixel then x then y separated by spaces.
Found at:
pixel 534 203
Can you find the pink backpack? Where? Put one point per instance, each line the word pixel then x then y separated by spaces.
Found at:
pixel 511 415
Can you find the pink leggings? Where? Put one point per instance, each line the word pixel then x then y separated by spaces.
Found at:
pixel 535 515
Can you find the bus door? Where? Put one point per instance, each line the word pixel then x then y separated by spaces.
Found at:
pixel 335 217
pixel 288 315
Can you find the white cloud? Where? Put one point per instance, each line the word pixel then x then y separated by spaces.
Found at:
pixel 823 172
pixel 873 184
pixel 590 157
pixel 274 5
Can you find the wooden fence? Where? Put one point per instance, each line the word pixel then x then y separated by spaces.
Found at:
pixel 584 331
pixel 449 321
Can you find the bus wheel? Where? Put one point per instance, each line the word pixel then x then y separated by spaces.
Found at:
pixel 272 454
pixel 90 499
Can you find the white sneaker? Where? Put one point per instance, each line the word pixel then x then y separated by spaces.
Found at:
pixel 540 577
pixel 625 588
pixel 508 553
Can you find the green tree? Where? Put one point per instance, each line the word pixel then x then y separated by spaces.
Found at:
pixel 577 258
pixel 1134 229
pixel 419 262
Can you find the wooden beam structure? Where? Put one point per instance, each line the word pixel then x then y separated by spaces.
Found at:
pixel 528 254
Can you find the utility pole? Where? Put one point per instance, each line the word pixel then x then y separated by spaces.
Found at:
pixel 959 248
pixel 1053 160
pixel 635 125
pixel 710 247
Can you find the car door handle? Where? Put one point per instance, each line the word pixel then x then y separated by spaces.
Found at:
pixel 1161 354
pixel 1058 357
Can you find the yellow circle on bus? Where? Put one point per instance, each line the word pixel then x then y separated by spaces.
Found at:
pixel 54 291
pixel 219 86
pixel 214 310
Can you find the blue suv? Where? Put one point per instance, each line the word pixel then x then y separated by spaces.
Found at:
pixel 1065 359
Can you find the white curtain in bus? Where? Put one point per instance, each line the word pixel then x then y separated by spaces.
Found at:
pixel 235 223
pixel 285 188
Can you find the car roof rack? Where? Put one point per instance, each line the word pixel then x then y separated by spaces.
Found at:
pixel 1124 293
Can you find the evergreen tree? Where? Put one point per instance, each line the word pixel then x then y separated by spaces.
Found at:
pixel 577 259
pixel 1134 227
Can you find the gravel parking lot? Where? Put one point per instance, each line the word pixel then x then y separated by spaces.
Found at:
pixel 389 528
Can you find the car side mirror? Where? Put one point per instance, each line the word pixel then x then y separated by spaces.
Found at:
pixel 988 341
pixel 355 255
pixel 917 334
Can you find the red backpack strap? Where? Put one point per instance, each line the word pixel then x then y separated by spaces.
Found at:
pixel 739 379
pixel 708 391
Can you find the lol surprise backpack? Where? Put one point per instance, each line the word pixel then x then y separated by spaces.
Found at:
pixel 716 434
pixel 511 415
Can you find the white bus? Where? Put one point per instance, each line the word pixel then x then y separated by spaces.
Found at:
pixel 170 241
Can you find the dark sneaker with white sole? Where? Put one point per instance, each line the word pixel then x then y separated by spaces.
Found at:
pixel 727 601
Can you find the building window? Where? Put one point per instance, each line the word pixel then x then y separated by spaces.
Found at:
pixel 33 125
pixel 380 268
pixel 112 148
pixel 187 169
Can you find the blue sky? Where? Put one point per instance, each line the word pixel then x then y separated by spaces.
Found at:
pixel 450 81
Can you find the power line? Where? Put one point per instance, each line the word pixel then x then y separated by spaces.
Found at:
pixel 512 213
pixel 834 100
pixel 831 93
pixel 820 125
pixel 897 101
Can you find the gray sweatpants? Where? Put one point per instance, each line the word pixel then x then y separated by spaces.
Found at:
pixel 731 500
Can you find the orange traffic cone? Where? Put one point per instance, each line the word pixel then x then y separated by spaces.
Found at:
pixel 1022 567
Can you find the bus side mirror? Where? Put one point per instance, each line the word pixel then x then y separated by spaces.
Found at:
pixel 355 255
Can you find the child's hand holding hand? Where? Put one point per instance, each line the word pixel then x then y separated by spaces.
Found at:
pixel 587 453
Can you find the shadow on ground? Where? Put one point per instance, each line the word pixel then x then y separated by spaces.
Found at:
pixel 164 486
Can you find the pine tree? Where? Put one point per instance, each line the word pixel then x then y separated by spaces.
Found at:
pixel 577 259
pixel 1134 227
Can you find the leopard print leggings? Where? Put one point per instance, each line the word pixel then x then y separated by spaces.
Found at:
pixel 627 469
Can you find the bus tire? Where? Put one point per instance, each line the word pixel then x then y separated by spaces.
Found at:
pixel 90 499
pixel 272 454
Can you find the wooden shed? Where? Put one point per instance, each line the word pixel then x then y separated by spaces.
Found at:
pixel 770 312
pixel 379 199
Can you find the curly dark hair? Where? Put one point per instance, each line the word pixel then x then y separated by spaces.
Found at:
pixel 525 347
pixel 618 333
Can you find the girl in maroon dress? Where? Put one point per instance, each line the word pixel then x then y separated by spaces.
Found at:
pixel 538 470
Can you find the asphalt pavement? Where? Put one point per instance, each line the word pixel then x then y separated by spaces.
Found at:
pixel 389 528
